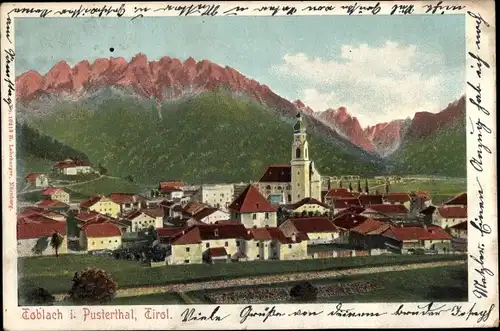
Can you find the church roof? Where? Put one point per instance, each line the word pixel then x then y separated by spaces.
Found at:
pixel 251 201
pixel 277 174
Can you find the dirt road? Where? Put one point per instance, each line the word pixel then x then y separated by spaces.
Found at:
pixel 271 279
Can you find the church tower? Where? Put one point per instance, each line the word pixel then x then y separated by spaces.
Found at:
pixel 300 164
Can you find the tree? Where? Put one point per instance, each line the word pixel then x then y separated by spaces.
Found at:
pixel 387 188
pixel 56 241
pixel 102 170
pixel 304 292
pixel 340 184
pixel 366 185
pixel 92 286
pixel 359 185
pixel 350 187
pixel 41 296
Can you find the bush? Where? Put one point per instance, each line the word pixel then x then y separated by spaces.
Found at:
pixel 92 286
pixel 304 292
pixel 41 296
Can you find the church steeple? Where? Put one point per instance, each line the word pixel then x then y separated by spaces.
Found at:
pixel 300 146
pixel 299 126
pixel 301 170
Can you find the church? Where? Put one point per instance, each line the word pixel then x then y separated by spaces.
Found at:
pixel 290 183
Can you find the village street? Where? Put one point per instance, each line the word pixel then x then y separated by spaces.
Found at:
pixel 271 279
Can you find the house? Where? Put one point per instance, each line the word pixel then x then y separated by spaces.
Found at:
pixel 448 216
pixel 102 205
pixel 348 221
pixel 171 190
pixel 192 208
pixel 72 167
pixel 36 179
pixel 290 248
pixel 414 238
pixel 191 244
pixel 165 235
pixel 33 238
pixel 337 193
pixel 100 236
pixel 308 206
pixel 215 195
pixel 86 218
pixel 319 230
pixel 56 193
pixel 216 255
pixel 144 218
pixel 384 211
pixel 253 210
pixel 342 204
pixel 33 211
pixel 128 202
pixel 54 205
pixel 397 198
pixel 459 200
pixel 210 215
pixel 368 234
pixel 459 230
pixel 370 199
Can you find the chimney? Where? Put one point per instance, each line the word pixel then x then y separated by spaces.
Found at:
pixel 294 238
pixel 425 227
pixel 134 199
pixel 216 232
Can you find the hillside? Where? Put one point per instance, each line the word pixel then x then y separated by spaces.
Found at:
pixel 211 137
pixel 442 153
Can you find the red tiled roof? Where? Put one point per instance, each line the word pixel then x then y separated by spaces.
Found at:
pixel 307 201
pixel 153 212
pixel 171 184
pixel 345 202
pixel 204 213
pixel 369 226
pixel 170 189
pixel 177 208
pixel 453 211
pixel 261 234
pixel 168 232
pixel 460 226
pixel 217 252
pixel 121 198
pixel 227 222
pixel 30 211
pixel 48 203
pixel 400 197
pixel 32 176
pixel 194 207
pixel 198 233
pixel 313 224
pixel 432 232
pixel 86 216
pixel 97 220
pixel 35 218
pixel 251 201
pixel 133 214
pixel 102 230
pixel 71 162
pixel 387 209
pixel 51 190
pixel 166 203
pixel 339 193
pixel 38 230
pixel 348 220
pixel 367 199
pixel 460 199
pixel 90 202
pixel 277 234
pixel 277 174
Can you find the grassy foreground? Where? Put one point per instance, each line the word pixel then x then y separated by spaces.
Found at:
pixel 55 274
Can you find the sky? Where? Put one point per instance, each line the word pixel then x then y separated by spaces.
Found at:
pixel 379 67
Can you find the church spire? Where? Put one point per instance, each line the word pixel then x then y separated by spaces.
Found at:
pixel 299 126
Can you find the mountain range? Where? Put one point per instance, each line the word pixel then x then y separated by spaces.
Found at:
pixel 169 81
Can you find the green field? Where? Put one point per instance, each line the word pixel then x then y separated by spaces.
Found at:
pixel 55 274
pixel 107 185
pixel 447 283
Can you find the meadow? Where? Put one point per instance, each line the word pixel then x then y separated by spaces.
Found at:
pixel 55 274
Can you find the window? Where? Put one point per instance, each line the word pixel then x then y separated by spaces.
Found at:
pixel 110 241
pixel 207 245
pixel 186 261
pixel 116 240
pixel 280 188
pixel 102 241
pixel 258 255
pixel 258 244
pixel 297 153
pixel 254 216
pixel 93 243
pixel 268 187
pixel 187 249
pixel 289 245
pixel 267 216
pixel 237 244
pixel 226 244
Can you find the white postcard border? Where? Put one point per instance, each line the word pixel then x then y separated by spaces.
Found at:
pixel 480 311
